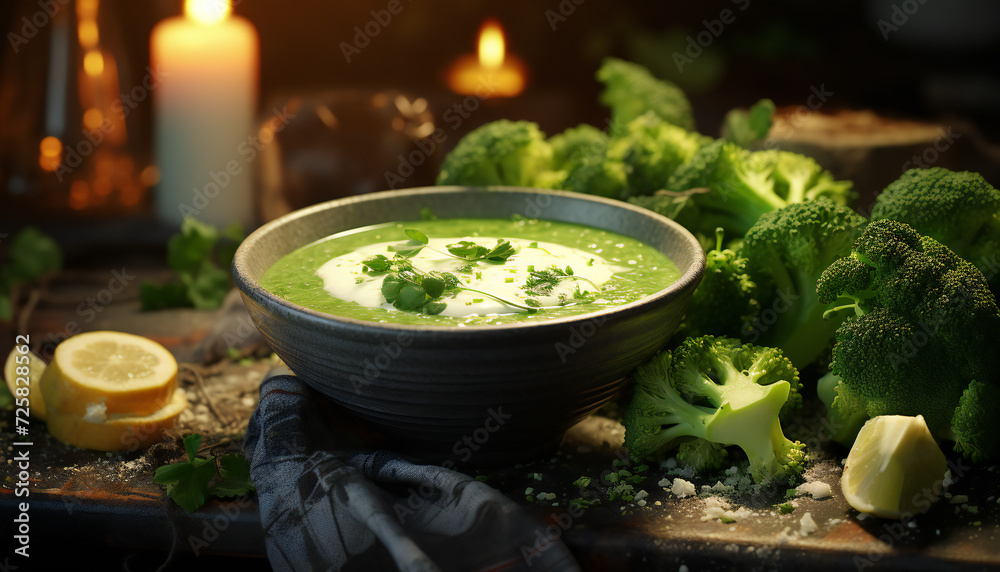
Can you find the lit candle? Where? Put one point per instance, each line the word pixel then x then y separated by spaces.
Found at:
pixel 207 62
pixel 490 73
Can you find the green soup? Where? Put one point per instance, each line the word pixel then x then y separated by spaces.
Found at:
pixel 557 269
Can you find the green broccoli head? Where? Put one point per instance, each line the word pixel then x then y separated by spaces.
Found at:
pixel 975 427
pixel 740 186
pixel 924 326
pixel 720 390
pixel 959 209
pixel 499 153
pixel 799 178
pixel 652 149
pixel 581 155
pixel 787 251
pixel 582 140
pixel 725 303
pixel 630 91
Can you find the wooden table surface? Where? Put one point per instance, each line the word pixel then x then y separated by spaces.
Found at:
pixel 84 502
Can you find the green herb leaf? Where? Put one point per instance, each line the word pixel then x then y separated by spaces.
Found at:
pixel 187 482
pixel 391 287
pixel 468 250
pixel 417 235
pixel 200 257
pixel 377 263
pixel 405 249
pixel 411 298
pixel 235 472
pixel 433 284
pixel 501 252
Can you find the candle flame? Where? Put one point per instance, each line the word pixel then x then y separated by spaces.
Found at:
pixel 50 153
pixel 208 11
pixel 491 45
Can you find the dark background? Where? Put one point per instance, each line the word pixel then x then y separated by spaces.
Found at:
pixel 942 60
pixel 932 60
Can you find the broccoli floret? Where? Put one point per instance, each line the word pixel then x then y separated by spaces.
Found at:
pixel 500 153
pixel 702 455
pixel 652 150
pixel 799 178
pixel 923 328
pixel 787 251
pixel 959 209
pixel 630 91
pixel 717 389
pixel 747 126
pixel 725 303
pixel 975 427
pixel 582 140
pixel 740 187
pixel 581 155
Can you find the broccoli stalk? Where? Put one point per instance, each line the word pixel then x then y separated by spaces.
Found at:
pixel 716 389
pixel 787 251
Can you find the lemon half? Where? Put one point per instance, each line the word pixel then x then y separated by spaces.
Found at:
pixel 35 366
pixel 895 467
pixel 127 374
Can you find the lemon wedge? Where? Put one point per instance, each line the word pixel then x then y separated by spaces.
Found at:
pixel 116 432
pixel 127 374
pixel 895 467
pixel 27 367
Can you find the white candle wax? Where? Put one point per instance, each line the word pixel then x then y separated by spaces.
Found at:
pixel 205 107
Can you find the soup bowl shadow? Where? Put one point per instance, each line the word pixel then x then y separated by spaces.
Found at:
pixel 481 395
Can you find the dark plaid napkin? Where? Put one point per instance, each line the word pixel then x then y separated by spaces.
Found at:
pixel 325 505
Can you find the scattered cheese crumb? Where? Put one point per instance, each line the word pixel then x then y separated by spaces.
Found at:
pixel 807 525
pixel 682 488
pixel 818 489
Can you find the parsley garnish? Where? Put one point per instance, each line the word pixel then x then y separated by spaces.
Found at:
pixel 542 282
pixel 462 250
pixel 200 256
pixel 410 289
pixel 188 482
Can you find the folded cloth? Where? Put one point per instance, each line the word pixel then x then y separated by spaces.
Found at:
pixel 325 505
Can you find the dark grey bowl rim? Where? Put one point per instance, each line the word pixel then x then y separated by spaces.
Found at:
pixel 252 288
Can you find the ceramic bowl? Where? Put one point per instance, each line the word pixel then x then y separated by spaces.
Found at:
pixel 476 395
